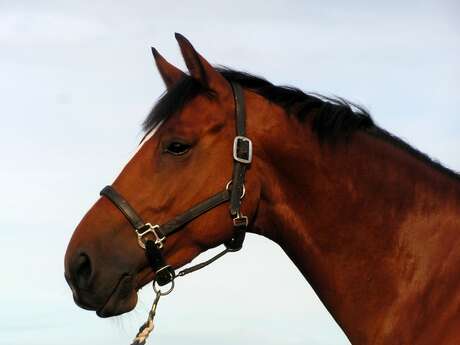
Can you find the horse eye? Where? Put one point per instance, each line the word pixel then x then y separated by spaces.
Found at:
pixel 177 148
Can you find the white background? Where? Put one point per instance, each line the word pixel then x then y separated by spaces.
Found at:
pixel 76 81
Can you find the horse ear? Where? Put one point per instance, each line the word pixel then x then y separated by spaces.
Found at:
pixel 170 74
pixel 200 69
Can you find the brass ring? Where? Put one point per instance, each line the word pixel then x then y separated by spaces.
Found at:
pixel 229 183
pixel 158 289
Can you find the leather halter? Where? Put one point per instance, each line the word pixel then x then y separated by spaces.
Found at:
pixel 233 192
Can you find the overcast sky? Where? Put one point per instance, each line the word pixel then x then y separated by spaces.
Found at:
pixel 76 81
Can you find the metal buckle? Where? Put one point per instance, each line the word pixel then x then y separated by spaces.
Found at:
pixel 242 140
pixel 240 220
pixel 153 230
pixel 236 242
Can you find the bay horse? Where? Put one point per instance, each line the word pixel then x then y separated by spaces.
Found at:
pixel 372 223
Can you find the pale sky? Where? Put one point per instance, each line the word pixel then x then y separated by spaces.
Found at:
pixel 77 79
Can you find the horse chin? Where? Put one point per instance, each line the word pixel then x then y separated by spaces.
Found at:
pixel 122 300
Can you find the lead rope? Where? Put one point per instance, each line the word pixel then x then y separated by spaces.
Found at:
pixel 148 326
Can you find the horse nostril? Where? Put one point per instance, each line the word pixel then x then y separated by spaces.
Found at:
pixel 83 270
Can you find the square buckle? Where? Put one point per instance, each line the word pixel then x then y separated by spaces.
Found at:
pixel 242 149
pixel 240 221
pixel 150 229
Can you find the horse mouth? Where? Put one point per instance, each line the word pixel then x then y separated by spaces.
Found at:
pixel 122 299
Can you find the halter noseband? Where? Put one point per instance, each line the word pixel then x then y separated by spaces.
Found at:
pixel 233 192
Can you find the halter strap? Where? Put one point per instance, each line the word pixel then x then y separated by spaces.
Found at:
pixel 242 150
pixel 176 223
pixel 123 205
pixel 171 226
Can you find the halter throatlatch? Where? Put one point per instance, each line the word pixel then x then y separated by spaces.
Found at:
pixel 151 237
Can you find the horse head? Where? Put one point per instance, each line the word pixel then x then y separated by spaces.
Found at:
pixel 184 158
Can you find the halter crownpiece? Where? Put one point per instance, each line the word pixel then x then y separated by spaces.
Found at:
pixel 151 237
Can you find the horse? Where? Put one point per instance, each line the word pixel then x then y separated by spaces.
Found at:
pixel 372 223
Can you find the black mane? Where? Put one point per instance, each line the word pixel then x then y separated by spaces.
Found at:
pixel 334 118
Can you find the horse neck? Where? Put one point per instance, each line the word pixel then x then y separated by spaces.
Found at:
pixel 355 218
